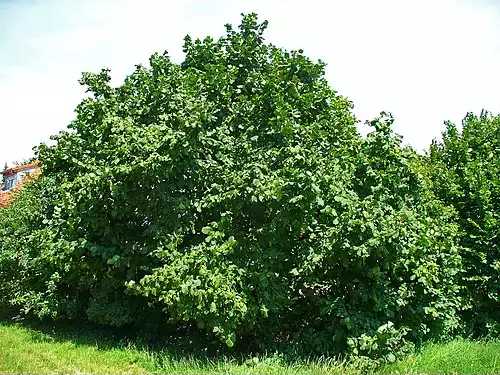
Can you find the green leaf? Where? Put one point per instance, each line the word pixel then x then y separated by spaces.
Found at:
pixel 206 230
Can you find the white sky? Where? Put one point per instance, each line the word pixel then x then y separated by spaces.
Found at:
pixel 425 61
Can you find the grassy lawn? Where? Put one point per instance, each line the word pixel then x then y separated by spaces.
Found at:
pixel 455 357
pixel 29 350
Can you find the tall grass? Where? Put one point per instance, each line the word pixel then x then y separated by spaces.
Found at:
pixel 30 350
pixel 454 357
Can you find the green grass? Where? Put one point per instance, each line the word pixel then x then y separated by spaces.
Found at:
pixel 455 357
pixel 29 351
pixel 34 351
pixel 63 351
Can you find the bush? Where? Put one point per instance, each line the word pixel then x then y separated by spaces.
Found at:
pixel 27 271
pixel 385 346
pixel 464 167
pixel 197 183
pixel 391 256
pixel 232 192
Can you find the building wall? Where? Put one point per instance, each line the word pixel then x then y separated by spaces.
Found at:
pixel 13 178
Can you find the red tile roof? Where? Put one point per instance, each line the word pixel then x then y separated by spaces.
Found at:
pixel 6 197
pixel 20 168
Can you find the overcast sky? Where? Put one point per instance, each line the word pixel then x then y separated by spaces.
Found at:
pixel 423 60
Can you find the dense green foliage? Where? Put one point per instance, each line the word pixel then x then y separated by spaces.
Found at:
pixel 465 168
pixel 231 192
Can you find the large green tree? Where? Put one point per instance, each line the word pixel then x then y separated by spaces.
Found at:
pixel 199 183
